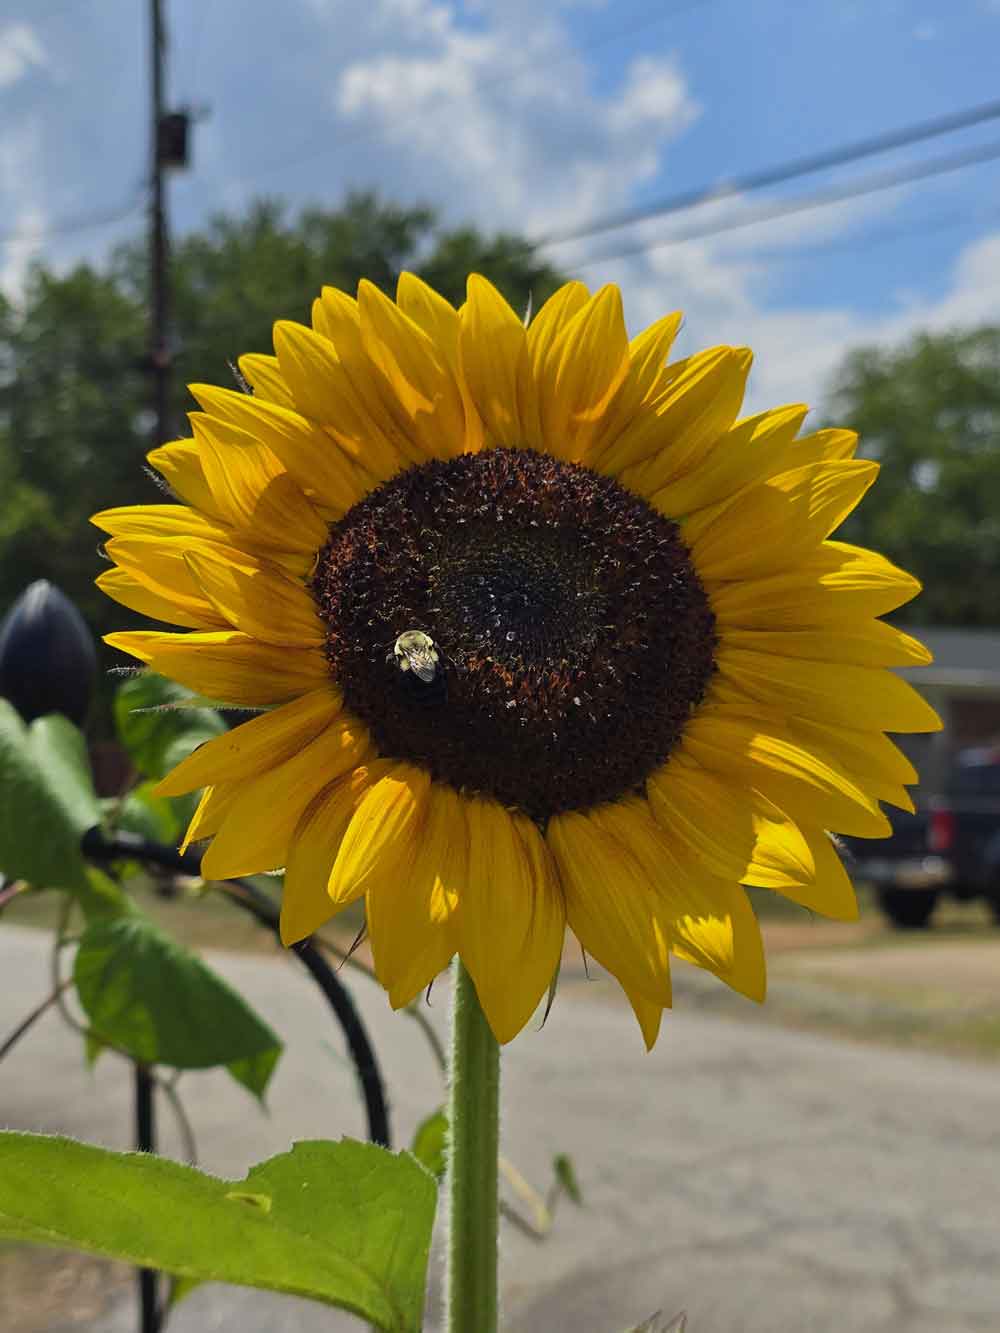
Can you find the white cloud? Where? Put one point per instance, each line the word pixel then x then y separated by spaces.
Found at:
pixel 20 52
pixel 655 96
pixel 502 124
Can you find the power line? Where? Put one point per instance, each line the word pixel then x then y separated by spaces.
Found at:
pixel 835 194
pixel 872 239
pixel 648 19
pixel 81 222
pixel 917 132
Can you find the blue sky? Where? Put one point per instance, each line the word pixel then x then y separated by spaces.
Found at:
pixel 539 116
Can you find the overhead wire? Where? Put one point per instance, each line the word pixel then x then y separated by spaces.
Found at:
pixel 780 173
pixel 834 194
pixel 81 222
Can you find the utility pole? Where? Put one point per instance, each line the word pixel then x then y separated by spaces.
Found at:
pixel 169 148
pixel 159 346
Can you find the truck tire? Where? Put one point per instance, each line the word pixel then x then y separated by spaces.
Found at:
pixel 908 909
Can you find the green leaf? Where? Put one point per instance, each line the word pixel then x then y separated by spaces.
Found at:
pixel 430 1141
pixel 102 899
pixel 254 1071
pixel 345 1223
pixel 156 726
pixel 144 992
pixel 151 817
pixel 47 800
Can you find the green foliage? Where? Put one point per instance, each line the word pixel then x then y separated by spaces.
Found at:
pixel 430 1142
pixel 345 1223
pixel 157 725
pixel 929 412
pixel 47 800
pixel 154 818
pixel 149 996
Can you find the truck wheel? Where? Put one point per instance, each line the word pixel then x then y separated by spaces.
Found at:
pixel 908 909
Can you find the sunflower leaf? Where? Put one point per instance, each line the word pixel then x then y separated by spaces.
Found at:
pixel 348 1224
pixel 47 800
pixel 145 993
pixel 155 725
pixel 430 1141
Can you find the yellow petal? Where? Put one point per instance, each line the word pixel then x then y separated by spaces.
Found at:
pixel 838 692
pixel 424 394
pixel 869 643
pixel 256 598
pixel 227 667
pixel 552 318
pixel 702 816
pixel 159 565
pixel 126 589
pixel 582 372
pixel 442 324
pixel 493 351
pixel 307 453
pixel 211 811
pixel 332 386
pixel 430 312
pixel 744 751
pixel 800 862
pixel 180 465
pixel 512 919
pixel 739 459
pixel 835 584
pixel 305 902
pixel 610 904
pixel 709 919
pixel 252 489
pixel 646 377
pixel 162 522
pixel 866 758
pixel 699 402
pixel 257 831
pixel 412 917
pixel 366 417
pixel 382 838
pixel 648 352
pixel 796 509
pixel 264 376
pixel 869 754
pixel 256 745
pixel 648 1015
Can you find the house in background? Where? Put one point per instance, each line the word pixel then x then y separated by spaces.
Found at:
pixel 963 684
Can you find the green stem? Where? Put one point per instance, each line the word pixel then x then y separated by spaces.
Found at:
pixel 473 1119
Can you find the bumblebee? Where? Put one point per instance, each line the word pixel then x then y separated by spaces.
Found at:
pixel 417 658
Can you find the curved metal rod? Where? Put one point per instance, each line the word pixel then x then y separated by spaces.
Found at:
pixel 100 848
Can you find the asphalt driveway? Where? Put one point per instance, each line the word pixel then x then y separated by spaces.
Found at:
pixel 766 1181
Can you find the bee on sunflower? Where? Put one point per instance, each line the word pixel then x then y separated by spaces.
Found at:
pixel 656 678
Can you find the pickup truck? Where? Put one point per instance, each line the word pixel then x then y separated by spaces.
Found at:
pixel 950 846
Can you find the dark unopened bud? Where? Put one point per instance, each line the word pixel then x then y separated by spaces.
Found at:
pixel 47 657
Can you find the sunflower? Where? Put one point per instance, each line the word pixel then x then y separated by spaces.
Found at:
pixel 541 634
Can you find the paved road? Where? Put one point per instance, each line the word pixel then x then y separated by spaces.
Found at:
pixel 766 1181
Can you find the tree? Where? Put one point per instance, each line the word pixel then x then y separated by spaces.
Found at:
pixel 74 392
pixel 929 412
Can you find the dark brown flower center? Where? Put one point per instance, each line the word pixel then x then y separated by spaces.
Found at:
pixel 573 635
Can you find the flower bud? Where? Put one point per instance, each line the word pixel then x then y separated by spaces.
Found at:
pixel 48 661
